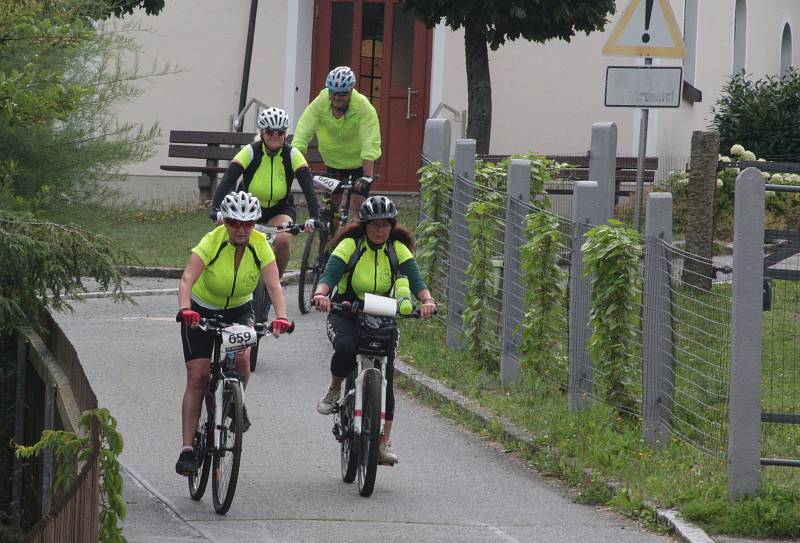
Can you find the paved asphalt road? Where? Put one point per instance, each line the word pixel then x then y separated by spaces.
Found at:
pixel 448 486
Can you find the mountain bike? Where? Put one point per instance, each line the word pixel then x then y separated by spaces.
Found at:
pixel 261 301
pixel 217 441
pixel 317 251
pixel 359 415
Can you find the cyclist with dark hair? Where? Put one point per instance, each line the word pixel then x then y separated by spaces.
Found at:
pixel 347 130
pixel 267 167
pixel 219 279
pixel 369 257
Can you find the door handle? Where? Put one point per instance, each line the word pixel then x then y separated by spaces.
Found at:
pixel 409 115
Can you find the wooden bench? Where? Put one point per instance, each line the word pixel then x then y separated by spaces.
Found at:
pixel 625 171
pixel 211 148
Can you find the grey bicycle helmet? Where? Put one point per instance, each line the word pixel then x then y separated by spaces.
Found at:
pixel 340 79
pixel 273 118
pixel 241 206
pixel 377 207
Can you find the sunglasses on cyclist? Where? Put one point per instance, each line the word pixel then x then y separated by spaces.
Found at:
pixel 275 133
pixel 341 94
pixel 233 223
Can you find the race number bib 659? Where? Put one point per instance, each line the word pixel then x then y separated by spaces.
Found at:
pixel 238 337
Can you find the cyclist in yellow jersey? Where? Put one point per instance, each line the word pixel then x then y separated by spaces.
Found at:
pixel 373 240
pixel 347 130
pixel 220 278
pixel 267 167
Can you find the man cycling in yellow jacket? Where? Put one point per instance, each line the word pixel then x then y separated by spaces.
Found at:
pixel 347 130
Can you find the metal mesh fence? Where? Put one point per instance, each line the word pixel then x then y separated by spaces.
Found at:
pixel 697 409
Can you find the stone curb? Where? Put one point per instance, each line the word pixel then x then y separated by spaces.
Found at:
pixel 289 277
pixel 436 391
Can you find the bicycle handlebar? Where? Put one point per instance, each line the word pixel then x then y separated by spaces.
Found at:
pixel 289 228
pixel 215 323
pixel 353 308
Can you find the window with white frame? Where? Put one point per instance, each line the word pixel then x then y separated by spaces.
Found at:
pixel 690 9
pixel 740 36
pixel 786 48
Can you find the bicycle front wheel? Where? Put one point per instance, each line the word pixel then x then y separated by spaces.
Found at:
pixel 315 256
pixel 198 479
pixel 261 305
pixel 228 452
pixel 370 434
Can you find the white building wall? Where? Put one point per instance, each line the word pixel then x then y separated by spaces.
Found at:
pixel 205 40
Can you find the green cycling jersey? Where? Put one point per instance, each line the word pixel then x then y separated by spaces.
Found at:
pixel 222 284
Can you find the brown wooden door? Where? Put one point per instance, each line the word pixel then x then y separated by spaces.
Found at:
pixel 390 53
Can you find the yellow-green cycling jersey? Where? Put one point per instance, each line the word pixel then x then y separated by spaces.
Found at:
pixel 222 285
pixel 373 271
pixel 344 143
pixel 268 182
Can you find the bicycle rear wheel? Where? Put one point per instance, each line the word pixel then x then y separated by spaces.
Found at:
pixel 228 453
pixel 349 452
pixel 198 479
pixel 370 434
pixel 315 256
pixel 261 305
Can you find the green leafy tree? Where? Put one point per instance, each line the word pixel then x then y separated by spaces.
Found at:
pixel 762 115
pixel 492 24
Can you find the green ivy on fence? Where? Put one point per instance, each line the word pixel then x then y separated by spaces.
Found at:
pixel 544 298
pixel 70 450
pixel 433 232
pixel 611 255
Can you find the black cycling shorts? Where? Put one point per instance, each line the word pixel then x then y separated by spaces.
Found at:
pixel 198 343
pixel 336 173
pixel 284 207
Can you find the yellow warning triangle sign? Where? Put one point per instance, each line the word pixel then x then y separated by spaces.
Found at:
pixel 647 28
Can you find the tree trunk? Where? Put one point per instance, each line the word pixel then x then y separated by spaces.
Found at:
pixel 479 87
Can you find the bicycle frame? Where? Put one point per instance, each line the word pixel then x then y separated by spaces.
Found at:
pixel 378 365
pixel 217 381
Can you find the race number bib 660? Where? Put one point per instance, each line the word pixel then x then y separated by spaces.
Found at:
pixel 326 184
pixel 238 337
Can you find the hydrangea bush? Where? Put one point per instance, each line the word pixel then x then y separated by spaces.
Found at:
pixel 783 209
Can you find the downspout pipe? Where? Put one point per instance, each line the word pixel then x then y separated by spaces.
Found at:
pixel 248 54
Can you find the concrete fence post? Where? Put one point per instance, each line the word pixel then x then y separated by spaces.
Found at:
pixel 700 208
pixel 435 148
pixel 519 196
pixel 744 417
pixel 587 209
pixel 458 254
pixel 603 165
pixel 657 322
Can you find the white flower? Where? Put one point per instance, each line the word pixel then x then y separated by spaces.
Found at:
pixel 683 181
pixel 769 193
pixel 734 171
pixel 792 178
pixel 724 159
pixel 748 155
pixel 776 178
pixel 719 183
pixel 765 175
pixel 737 150
pixel 761 160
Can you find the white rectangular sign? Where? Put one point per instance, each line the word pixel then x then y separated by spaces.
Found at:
pixel 643 86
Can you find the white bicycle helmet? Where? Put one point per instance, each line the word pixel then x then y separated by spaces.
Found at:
pixel 377 207
pixel 341 79
pixel 241 206
pixel 273 118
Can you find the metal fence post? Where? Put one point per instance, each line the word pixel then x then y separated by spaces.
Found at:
pixel 587 209
pixel 519 196
pixel 657 330
pixel 603 165
pixel 458 257
pixel 744 418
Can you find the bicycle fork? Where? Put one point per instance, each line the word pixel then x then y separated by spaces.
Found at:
pixel 359 389
pixel 219 407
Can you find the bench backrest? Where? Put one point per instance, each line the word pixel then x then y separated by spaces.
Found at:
pixel 219 145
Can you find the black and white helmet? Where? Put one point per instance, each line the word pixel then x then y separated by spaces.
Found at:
pixel 241 206
pixel 273 118
pixel 377 207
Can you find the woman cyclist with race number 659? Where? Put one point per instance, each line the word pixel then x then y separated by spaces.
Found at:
pixel 219 279
pixel 363 261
